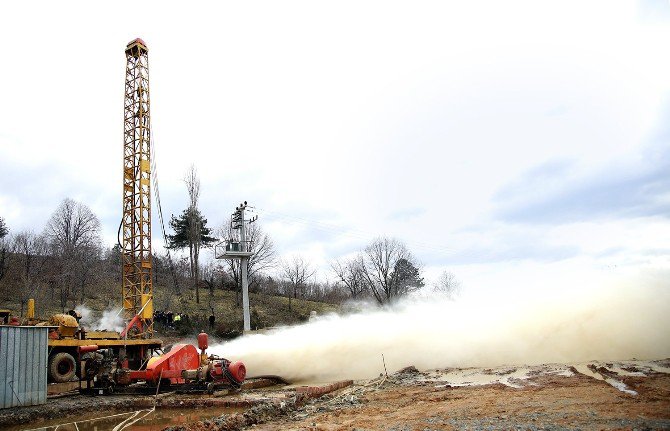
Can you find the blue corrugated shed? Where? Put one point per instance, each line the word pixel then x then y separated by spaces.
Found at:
pixel 23 365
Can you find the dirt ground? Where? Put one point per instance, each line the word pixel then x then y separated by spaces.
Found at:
pixel 623 395
pixel 551 403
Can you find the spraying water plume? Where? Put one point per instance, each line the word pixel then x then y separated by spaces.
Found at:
pixel 616 321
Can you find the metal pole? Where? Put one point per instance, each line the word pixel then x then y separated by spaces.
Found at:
pixel 245 282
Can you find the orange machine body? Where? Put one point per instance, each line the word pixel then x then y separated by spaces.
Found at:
pixel 170 365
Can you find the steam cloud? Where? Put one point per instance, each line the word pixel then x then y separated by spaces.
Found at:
pixel 619 320
pixel 109 321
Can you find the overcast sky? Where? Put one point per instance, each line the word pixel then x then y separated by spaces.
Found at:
pixel 494 138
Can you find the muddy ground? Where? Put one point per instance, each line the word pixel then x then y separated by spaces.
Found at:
pixel 591 396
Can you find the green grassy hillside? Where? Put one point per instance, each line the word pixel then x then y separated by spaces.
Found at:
pixel 266 310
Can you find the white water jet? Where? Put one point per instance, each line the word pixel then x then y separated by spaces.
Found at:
pixel 619 319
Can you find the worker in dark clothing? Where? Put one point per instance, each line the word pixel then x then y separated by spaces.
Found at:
pixel 75 314
pixel 211 321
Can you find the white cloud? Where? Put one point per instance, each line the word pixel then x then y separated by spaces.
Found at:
pixel 342 113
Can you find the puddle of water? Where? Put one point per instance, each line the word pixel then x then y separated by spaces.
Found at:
pixel 616 368
pixel 155 421
pixel 562 372
pixel 620 386
pixel 480 376
pixel 653 366
pixel 517 377
pixel 466 377
pixel 584 369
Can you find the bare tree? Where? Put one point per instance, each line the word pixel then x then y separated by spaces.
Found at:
pixel 212 273
pixel 4 231
pixel 350 273
pixel 269 285
pixel 73 233
pixel 263 258
pixel 297 271
pixel 389 270
pixel 71 226
pixel 29 251
pixel 194 225
pixel 448 285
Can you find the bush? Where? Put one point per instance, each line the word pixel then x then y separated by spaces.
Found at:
pixel 229 330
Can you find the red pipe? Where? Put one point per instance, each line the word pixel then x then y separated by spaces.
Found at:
pixel 87 349
pixel 135 320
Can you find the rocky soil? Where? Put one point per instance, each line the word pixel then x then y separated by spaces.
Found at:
pixel 592 396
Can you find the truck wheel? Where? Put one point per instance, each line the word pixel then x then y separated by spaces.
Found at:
pixel 62 367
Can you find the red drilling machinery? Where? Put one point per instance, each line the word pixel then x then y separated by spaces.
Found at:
pixel 182 369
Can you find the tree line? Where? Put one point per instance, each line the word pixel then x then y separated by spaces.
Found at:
pixel 58 264
pixel 384 271
pixel 66 262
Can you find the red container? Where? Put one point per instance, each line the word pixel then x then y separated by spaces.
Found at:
pixel 202 341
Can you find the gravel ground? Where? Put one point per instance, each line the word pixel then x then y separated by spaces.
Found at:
pixel 625 395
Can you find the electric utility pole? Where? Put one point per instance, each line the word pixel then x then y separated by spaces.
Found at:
pixel 237 247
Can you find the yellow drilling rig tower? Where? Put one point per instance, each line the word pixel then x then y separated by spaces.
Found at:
pixel 137 289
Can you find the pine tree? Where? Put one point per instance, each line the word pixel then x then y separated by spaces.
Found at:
pixel 406 277
pixel 181 225
pixel 190 230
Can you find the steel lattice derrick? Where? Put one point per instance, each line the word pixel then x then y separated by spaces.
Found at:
pixel 136 223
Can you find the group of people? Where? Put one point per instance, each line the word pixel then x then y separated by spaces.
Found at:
pixel 174 320
pixel 170 319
